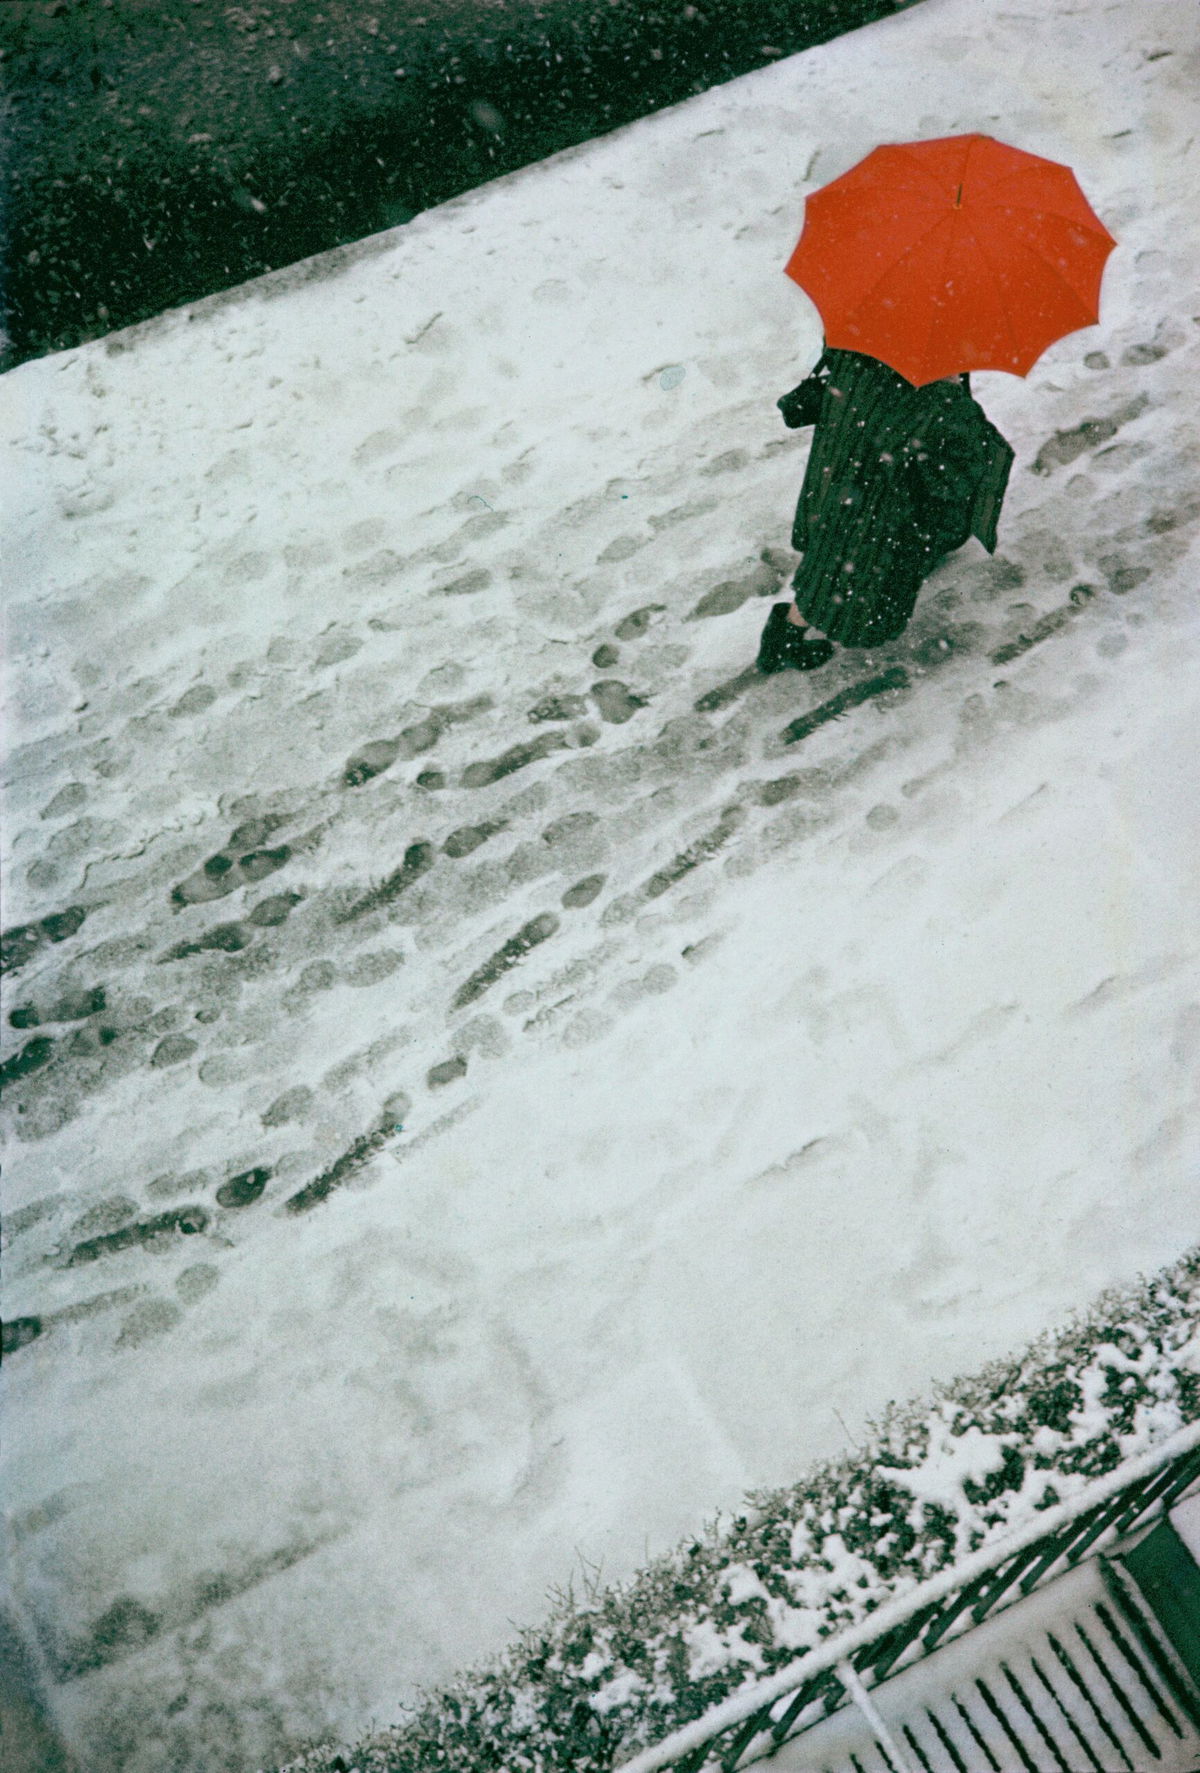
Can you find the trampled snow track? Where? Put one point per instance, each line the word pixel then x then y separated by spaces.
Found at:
pixel 528 865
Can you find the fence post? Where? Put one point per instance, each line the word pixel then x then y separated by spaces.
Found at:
pixel 848 1675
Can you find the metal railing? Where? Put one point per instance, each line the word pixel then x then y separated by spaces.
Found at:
pixel 759 1720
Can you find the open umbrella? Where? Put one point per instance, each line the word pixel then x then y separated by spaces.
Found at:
pixel 950 255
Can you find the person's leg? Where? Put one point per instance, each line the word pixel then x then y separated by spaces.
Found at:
pixel 788 645
pixel 798 621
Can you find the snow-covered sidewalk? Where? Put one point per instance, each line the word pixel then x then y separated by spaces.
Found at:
pixel 482 1094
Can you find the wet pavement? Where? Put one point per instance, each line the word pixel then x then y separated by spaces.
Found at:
pixel 158 150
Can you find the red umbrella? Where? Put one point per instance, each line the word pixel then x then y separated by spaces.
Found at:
pixel 951 255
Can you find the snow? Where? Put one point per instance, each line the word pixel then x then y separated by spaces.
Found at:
pixel 899 1072
pixel 712 1650
pixel 617 1692
pixel 743 1584
pixel 524 1710
pixel 950 1461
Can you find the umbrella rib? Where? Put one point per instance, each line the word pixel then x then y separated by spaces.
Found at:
pixel 895 264
pixel 905 150
pixel 964 168
pixel 1057 274
pixel 1096 227
pixel 933 316
pixel 983 253
pixel 983 183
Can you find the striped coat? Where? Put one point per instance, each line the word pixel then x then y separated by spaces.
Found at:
pixel 898 477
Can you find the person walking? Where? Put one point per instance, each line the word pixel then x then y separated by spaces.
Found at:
pixel 926 260
pixel 898 477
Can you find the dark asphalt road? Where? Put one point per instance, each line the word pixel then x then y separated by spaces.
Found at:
pixel 155 151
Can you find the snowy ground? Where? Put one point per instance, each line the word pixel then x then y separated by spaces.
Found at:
pixel 375 1283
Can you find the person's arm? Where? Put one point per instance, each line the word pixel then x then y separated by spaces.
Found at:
pixel 985 459
pixel 989 494
pixel 803 405
pixel 943 461
pixel 960 463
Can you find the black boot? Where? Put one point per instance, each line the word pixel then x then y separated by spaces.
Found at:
pixel 786 646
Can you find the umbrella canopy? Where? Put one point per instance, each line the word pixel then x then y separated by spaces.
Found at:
pixel 950 255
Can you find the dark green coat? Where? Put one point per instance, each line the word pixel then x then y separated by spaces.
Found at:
pixel 898 477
